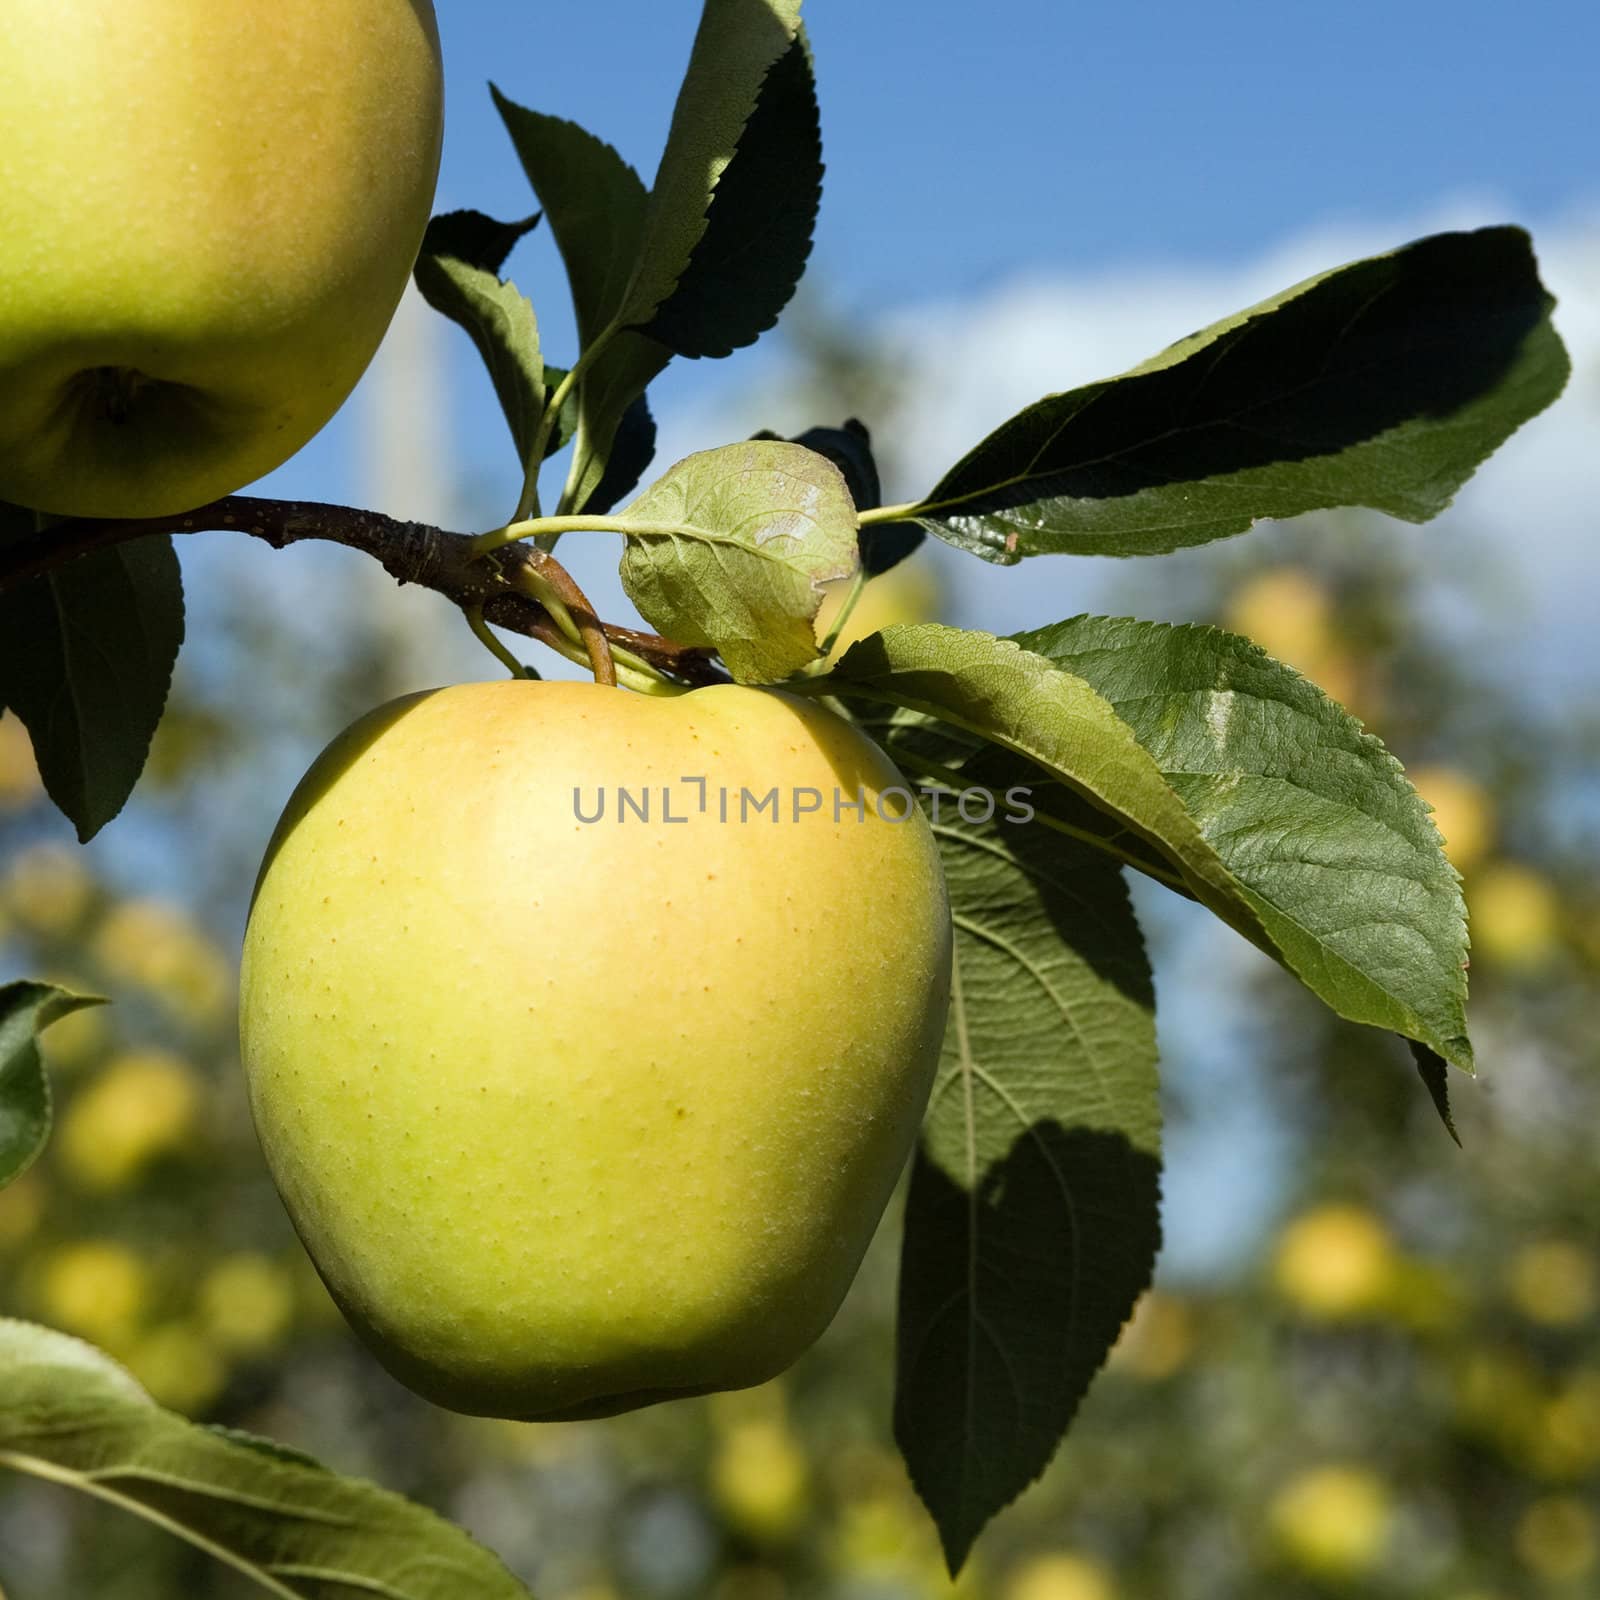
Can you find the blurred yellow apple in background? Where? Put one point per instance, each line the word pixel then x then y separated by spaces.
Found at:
pixel 1516 916
pixel 143 1105
pixel 96 1288
pixel 577 1115
pixel 1555 1282
pixel 1157 1340
pixel 1558 1538
pixel 48 890
pixel 760 1478
pixel 246 1303
pixel 1287 612
pixel 1333 1521
pixel 1336 1260
pixel 207 216
pixel 1060 1577
pixel 155 944
pixel 178 1366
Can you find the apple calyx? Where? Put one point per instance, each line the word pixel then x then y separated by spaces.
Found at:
pixel 114 391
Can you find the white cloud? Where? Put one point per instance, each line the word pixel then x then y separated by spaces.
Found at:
pixel 1536 501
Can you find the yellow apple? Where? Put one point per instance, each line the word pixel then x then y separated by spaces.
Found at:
pixel 578 1112
pixel 1060 1577
pixel 1335 1262
pixel 1333 1521
pixel 144 1105
pixel 208 211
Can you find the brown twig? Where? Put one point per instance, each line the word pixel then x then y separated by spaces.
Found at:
pixel 410 552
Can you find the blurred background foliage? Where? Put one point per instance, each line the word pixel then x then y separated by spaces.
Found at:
pixel 1377 1375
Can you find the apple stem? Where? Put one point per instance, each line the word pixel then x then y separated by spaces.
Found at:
pixel 548 582
pixel 857 584
pixel 480 629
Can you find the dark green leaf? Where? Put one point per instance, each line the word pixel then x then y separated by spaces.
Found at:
pixel 477 240
pixel 25 1010
pixel 596 207
pixel 1435 1072
pixel 632 451
pixel 481 243
pixel 595 203
pixel 495 314
pixel 72 1416
pixel 1033 1221
pixel 566 423
pixel 757 236
pixel 86 657
pixel 1333 848
pixel 735 49
pixel 1384 384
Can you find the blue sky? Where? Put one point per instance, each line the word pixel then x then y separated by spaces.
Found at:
pixel 1075 136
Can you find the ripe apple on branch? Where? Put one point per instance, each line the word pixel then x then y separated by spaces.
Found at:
pixel 207 215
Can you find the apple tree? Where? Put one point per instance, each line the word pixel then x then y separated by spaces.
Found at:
pixel 1185 754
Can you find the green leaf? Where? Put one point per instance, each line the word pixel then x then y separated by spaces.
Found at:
pixel 1435 1074
pixel 593 200
pixel 71 1416
pixel 849 448
pixel 737 45
pixel 632 450
pixel 1033 1219
pixel 736 285
pixel 1011 697
pixel 1384 384
pixel 744 269
pixel 86 658
pixel 475 239
pixel 595 205
pixel 731 548
pixel 566 423
pixel 1334 850
pixel 1060 807
pixel 457 273
pixel 26 1009
pixel 609 394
